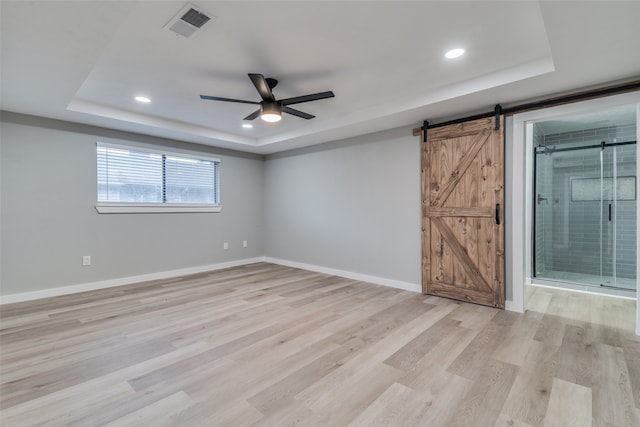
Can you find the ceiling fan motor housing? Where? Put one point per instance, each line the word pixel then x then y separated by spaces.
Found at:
pixel 271 111
pixel 271 107
pixel 271 82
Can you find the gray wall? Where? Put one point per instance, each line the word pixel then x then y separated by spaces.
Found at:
pixel 351 205
pixel 48 219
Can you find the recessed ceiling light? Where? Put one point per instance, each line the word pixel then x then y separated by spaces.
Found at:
pixel 143 99
pixel 454 53
pixel 247 125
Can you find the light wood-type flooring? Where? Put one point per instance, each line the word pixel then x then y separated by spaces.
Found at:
pixel 267 345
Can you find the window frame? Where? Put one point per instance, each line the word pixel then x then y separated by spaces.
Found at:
pixel 137 207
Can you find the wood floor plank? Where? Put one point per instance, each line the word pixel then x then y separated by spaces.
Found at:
pixel 363 386
pixel 612 397
pixel 429 373
pixel 506 421
pixel 515 344
pixel 40 384
pixel 550 330
pixel 351 341
pixel 471 361
pixel 237 413
pixel 102 396
pixel 570 405
pixel 410 354
pixel 443 400
pixel 529 397
pixel 483 403
pixel 631 349
pixel 397 406
pixel 473 316
pixel 265 345
pixel 575 358
pixel 161 410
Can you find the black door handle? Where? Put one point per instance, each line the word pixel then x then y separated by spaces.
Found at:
pixel 497 213
pixel 609 212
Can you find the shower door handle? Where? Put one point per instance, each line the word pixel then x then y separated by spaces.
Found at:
pixel 497 213
pixel 609 212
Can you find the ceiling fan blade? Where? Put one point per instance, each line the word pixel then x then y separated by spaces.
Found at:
pixel 263 88
pixel 297 112
pixel 306 98
pixel 217 98
pixel 254 115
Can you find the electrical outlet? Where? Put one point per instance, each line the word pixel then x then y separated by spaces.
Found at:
pixel 86 260
pixel 225 246
pixel 244 243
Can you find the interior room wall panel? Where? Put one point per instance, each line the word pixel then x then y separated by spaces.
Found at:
pixel 351 205
pixel 48 219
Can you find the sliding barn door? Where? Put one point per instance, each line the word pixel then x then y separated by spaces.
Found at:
pixel 462 215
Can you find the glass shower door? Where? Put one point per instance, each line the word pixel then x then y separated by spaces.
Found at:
pixel 584 221
pixel 619 163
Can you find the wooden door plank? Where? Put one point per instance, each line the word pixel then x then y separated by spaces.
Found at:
pixel 460 252
pixel 461 129
pixel 426 232
pixel 461 211
pixel 499 268
pixel 446 290
pixel 460 169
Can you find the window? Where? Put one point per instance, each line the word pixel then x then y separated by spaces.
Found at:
pixel 132 179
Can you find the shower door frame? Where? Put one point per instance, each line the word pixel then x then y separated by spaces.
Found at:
pixel 535 202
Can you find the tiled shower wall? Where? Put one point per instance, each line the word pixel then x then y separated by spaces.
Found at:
pixel 569 234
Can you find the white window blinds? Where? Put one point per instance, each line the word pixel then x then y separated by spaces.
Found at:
pixel 138 176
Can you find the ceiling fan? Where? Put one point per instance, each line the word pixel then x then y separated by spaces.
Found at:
pixel 271 109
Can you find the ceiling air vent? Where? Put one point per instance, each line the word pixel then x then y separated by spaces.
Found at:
pixel 188 21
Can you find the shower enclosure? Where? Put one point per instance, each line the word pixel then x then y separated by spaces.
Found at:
pixel 585 201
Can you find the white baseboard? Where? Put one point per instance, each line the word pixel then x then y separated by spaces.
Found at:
pixel 407 286
pixel 512 306
pixel 103 284
pixel 92 286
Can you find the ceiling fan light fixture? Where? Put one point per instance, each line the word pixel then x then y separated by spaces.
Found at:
pixel 271 112
pixel 271 117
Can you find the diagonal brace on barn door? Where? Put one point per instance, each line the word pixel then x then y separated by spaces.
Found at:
pixel 460 252
pixel 460 169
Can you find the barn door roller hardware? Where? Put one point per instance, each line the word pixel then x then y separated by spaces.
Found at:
pixel 425 126
pixel 497 112
pixel 566 99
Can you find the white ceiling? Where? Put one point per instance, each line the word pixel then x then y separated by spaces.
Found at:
pixel 84 61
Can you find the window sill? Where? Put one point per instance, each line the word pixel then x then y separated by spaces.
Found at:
pixel 116 208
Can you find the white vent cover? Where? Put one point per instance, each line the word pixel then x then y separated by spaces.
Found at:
pixel 188 21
